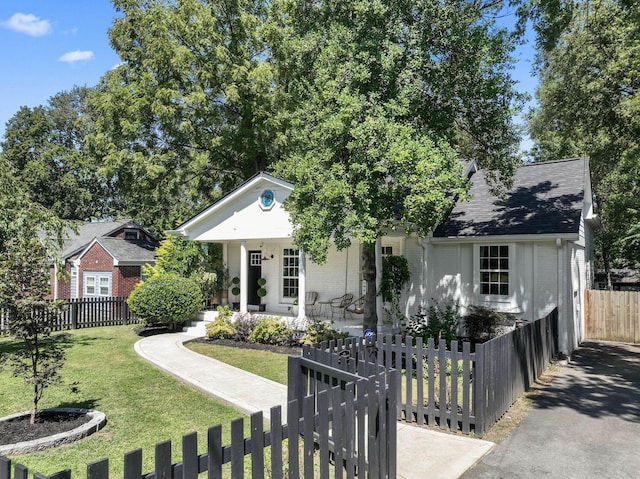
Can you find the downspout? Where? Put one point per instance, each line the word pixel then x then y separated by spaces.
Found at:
pixel 562 319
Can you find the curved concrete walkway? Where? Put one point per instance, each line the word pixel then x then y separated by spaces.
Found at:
pixel 421 452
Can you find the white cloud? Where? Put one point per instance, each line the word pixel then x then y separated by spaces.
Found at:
pixel 76 56
pixel 28 23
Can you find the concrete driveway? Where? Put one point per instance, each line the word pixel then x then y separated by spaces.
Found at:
pixel 586 424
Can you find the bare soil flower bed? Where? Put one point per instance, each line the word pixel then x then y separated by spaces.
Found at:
pixel 47 423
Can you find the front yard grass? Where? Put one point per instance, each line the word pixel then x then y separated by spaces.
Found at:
pixel 143 405
pixel 261 362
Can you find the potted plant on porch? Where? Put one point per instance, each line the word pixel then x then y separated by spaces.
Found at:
pixel 236 292
pixel 262 292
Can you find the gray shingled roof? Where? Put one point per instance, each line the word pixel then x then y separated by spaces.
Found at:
pixel 131 251
pixel 546 198
pixel 87 232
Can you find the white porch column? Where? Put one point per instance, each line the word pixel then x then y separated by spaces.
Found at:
pixel 244 272
pixel 379 304
pixel 302 283
pixel 225 265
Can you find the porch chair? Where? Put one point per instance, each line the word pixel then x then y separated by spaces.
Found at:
pixel 310 298
pixel 356 307
pixel 340 304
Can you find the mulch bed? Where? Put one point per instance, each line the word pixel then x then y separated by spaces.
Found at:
pixel 294 350
pixel 48 423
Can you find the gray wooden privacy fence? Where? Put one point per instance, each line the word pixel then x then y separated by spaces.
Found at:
pixel 454 388
pixel 344 431
pixel 508 365
pixel 87 313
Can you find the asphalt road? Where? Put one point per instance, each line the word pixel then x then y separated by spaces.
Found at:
pixel 585 424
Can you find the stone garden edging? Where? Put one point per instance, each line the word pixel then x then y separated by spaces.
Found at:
pixel 96 422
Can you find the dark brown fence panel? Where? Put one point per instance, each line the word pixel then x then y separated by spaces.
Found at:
pixel 86 313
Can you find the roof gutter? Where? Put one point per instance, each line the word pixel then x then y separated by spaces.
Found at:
pixel 510 238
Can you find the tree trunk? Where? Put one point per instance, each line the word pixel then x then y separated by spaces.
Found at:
pixel 370 320
pixel 607 268
pixel 34 406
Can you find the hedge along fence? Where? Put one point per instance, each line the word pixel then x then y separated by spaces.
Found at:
pixel 87 313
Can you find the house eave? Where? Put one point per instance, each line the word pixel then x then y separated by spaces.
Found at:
pixel 505 238
pixel 131 262
pixel 183 229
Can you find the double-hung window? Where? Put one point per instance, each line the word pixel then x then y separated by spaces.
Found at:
pixel 97 284
pixel 290 270
pixel 494 270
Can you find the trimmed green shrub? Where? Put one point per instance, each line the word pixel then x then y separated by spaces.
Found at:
pixel 481 322
pixel 220 328
pixel 270 330
pixel 166 299
pixel 319 331
pixel 224 312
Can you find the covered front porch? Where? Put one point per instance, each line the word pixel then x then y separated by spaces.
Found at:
pixel 273 274
pixel 264 268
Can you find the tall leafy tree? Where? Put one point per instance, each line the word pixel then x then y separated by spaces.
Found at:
pixel 590 105
pixel 29 235
pixel 383 102
pixel 46 146
pixel 188 112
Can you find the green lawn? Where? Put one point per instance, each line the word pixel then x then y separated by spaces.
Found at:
pixel 267 364
pixel 143 404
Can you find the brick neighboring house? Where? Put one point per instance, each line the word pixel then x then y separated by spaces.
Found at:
pixel 104 259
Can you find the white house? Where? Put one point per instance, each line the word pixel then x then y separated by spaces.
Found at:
pixel 526 255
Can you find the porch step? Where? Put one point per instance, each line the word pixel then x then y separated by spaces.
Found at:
pixel 197 327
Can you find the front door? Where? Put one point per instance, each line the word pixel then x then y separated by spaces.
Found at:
pixel 255 273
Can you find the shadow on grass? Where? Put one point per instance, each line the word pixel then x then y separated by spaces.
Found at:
pixel 85 404
pixel 64 339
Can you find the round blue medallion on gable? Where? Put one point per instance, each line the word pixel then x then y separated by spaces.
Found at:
pixel 267 198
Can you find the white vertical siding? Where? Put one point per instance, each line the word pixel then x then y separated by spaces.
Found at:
pixel 444 260
pixel 415 296
pixel 545 283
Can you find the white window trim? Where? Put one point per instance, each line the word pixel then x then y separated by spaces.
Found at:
pixel 283 277
pixel 97 276
pixel 494 298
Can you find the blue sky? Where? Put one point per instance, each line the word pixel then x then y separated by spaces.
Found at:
pixel 49 46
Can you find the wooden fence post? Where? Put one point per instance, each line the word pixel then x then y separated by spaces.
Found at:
pixel 74 314
pixel 294 380
pixel 479 397
pixel 5 468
